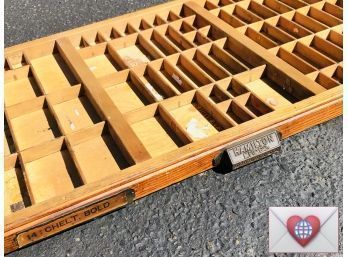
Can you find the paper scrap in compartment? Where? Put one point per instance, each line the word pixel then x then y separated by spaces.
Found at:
pixel 196 131
pixel 153 91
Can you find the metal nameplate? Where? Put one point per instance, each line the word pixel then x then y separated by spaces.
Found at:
pixel 77 217
pixel 254 148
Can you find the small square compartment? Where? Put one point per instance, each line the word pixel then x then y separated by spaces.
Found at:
pixel 154 129
pixel 32 123
pixel 135 50
pixel 48 65
pixel 101 60
pixel 155 20
pixel 14 198
pixel 127 93
pixel 253 104
pixel 16 61
pixel 236 112
pixel 50 171
pixel 109 160
pixel 20 86
pixel 233 87
pixel 73 109
pixel 216 93
pixel 184 26
pixel 196 115
pixel 335 38
pixel 324 80
pixel 197 38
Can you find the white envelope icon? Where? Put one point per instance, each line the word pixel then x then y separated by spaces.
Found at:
pixel 281 241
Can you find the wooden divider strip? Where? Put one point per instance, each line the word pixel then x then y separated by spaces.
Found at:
pixel 130 144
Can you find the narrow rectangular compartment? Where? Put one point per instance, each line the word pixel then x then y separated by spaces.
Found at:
pixel 293 29
pixel 73 109
pixel 135 50
pixel 176 38
pixel 171 76
pixel 245 15
pixel 308 22
pixel 223 58
pixel 154 129
pixel 196 115
pixel 128 93
pixel 323 17
pixel 189 70
pixel 197 38
pixel 241 53
pixel 160 41
pixel 326 48
pixel 206 64
pixel 295 61
pixel 273 33
pixel 32 123
pixel 232 20
pixel 333 10
pixel 20 86
pixel 101 60
pixel 13 183
pixel 260 38
pixel 310 55
pixel 296 4
pixel 261 10
pixel 49 171
pixel 156 87
pixel 49 68
pixel 279 6
pixel 93 167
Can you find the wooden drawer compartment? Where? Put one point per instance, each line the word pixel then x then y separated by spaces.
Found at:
pixel 128 106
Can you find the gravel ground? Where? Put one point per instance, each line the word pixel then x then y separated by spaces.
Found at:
pixel 207 215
